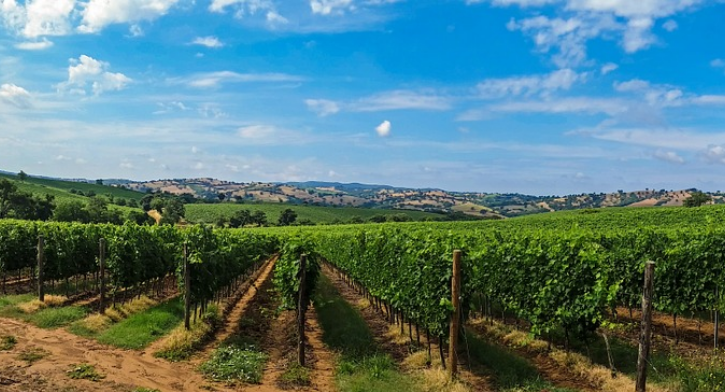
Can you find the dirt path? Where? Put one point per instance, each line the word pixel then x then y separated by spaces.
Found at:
pixel 323 363
pixel 123 369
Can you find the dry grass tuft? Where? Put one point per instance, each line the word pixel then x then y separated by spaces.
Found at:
pixel 32 306
pixel 55 301
pixel 96 322
pixel 115 314
pixel 138 305
pixel 394 335
pixel 436 379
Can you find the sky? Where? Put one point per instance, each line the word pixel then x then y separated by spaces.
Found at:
pixel 545 97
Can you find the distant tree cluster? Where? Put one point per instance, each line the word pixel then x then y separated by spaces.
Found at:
pixel 21 205
pixel 697 199
pixel 171 208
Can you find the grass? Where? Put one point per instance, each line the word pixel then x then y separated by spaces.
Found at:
pixel 143 389
pixel 361 366
pixel 48 317
pixel 32 355
pixel 210 213
pixel 296 375
pixel 511 371
pixel 181 343
pixel 33 184
pixel 141 329
pixel 85 371
pixel 7 342
pixel 235 362
pixel 13 300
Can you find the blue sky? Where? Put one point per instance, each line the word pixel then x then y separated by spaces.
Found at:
pixel 534 96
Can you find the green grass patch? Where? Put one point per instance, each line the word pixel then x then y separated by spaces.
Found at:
pixel 85 371
pixel 43 318
pixel 181 344
pixel 361 366
pixel 142 389
pixel 7 342
pixel 141 329
pixel 296 375
pixel 234 363
pixel 32 355
pixel 12 300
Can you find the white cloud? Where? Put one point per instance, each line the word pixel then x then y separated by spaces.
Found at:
pixel 264 134
pixel 243 7
pixel 669 156
pixel 38 18
pixel 216 79
pixel 322 107
pixel 86 71
pixel 327 7
pixel 401 100
pixel 34 45
pixel 98 14
pixel 583 20
pixel 670 25
pixel 667 139
pixel 608 67
pixel 717 63
pixel 273 18
pixel 715 154
pixel 655 95
pixel 383 130
pixel 257 132
pixel 209 42
pixel 126 165
pixel 562 79
pixel 565 105
pixel 15 95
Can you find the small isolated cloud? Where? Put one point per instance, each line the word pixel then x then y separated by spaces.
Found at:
pixel 209 42
pixel 609 67
pixel 669 156
pixel 717 63
pixel 86 71
pixel 715 153
pixel 15 95
pixel 670 25
pixel 126 165
pixel 194 150
pixel 243 7
pixel 34 45
pixel 173 106
pixel 274 18
pixel 322 107
pixel 383 129
pixel 257 132
pixel 327 7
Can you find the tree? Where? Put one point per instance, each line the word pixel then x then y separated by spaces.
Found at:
pixel 22 176
pixel 99 182
pixel 241 218
pixel 287 218
pixel 71 211
pixel 697 199
pixel 259 218
pixel 221 196
pixel 378 218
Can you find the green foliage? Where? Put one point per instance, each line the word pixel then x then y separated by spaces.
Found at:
pixel 32 355
pixel 85 371
pixel 697 199
pixel 234 363
pixel 141 329
pixel 21 205
pixel 7 342
pixel 287 218
pixel 287 271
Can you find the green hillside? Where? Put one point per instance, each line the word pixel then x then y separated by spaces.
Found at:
pixel 210 213
pixel 61 189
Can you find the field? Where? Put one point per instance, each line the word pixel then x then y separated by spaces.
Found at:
pixel 210 213
pixel 551 305
pixel 61 189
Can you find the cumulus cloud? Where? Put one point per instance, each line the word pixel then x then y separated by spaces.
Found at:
pixel 322 107
pixel 15 95
pixel 34 45
pixel 383 130
pixel 87 71
pixel 209 42
pixel 38 18
pixel 562 79
pixel 98 14
pixel 669 156
pixel 580 21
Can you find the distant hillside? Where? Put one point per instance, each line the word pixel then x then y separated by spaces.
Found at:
pixel 486 205
pixel 62 188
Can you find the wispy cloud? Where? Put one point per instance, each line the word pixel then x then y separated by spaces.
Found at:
pixel 386 101
pixel 544 85
pixel 209 42
pixel 217 79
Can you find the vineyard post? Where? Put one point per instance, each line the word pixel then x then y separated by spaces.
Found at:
pixel 717 318
pixel 102 263
pixel 301 312
pixel 646 332
pixel 187 291
pixel 41 256
pixel 456 318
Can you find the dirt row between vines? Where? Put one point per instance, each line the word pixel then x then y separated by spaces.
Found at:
pixel 125 370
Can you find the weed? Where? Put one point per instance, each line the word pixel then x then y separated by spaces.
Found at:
pixel 85 371
pixel 7 342
pixel 32 355
pixel 143 389
pixel 235 363
pixel 296 375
